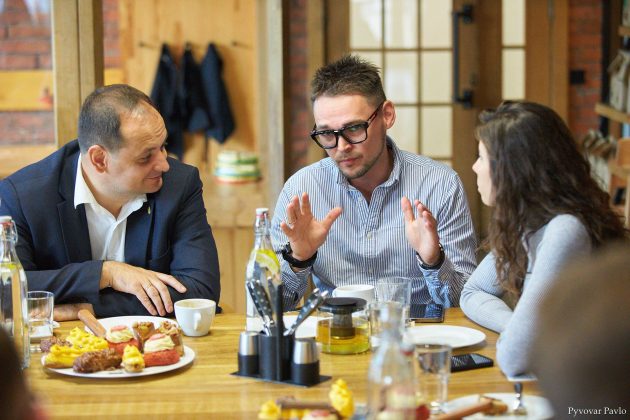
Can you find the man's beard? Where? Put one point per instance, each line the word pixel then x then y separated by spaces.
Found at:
pixel 365 168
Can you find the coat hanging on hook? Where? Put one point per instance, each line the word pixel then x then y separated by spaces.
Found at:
pixel 216 96
pixel 167 96
pixel 197 115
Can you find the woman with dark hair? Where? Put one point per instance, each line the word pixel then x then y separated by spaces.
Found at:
pixel 546 211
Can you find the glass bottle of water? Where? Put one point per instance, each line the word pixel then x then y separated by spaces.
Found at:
pixel 263 265
pixel 391 385
pixel 13 289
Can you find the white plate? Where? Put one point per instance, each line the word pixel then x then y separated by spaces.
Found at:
pixel 444 334
pixel 186 359
pixel 537 407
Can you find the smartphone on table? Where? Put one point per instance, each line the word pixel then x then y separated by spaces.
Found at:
pixel 469 361
pixel 426 312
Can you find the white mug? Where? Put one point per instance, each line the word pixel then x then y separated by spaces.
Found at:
pixel 195 316
pixel 363 291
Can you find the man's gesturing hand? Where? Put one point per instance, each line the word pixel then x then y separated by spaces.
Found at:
pixel 305 233
pixel 148 286
pixel 421 231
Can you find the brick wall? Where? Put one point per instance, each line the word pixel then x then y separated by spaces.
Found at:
pixel 300 119
pixel 25 44
pixel 585 53
pixel 24 37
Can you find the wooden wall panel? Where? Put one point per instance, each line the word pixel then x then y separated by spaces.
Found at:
pixel 231 24
pixel 547 54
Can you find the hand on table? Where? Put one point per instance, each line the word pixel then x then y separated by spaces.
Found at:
pixel 306 234
pixel 148 286
pixel 421 231
pixel 69 311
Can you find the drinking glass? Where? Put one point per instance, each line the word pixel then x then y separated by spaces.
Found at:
pixel 40 314
pixel 395 289
pixel 432 364
pixel 374 311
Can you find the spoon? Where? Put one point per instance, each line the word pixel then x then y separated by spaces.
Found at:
pixel 311 303
pixel 519 408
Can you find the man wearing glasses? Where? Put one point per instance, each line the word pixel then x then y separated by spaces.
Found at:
pixel 349 218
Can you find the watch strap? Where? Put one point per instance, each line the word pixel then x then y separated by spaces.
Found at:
pixel 287 255
pixel 435 266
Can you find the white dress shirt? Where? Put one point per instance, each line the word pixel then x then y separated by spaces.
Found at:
pixel 107 233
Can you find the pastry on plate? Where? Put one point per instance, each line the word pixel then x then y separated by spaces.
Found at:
pixel 95 361
pixel 120 336
pixel 47 343
pixel 498 406
pixel 60 357
pixel 159 350
pixel 132 359
pixel 142 331
pixel 172 330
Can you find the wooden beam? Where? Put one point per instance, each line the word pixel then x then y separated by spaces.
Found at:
pixel 65 46
pixel 77 33
pixel 271 103
pixel 91 59
pixel 546 54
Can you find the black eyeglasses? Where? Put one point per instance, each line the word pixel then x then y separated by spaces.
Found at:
pixel 353 134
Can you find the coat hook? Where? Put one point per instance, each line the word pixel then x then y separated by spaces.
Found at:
pixel 143 44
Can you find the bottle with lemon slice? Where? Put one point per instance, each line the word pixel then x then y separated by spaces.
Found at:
pixel 263 266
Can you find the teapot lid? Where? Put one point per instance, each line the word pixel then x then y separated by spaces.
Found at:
pixel 343 305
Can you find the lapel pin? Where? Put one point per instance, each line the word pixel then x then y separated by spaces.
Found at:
pixel 149 210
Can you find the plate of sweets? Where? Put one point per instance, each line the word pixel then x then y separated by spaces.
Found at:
pixel 123 347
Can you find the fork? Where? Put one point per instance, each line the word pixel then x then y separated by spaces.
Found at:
pixel 519 408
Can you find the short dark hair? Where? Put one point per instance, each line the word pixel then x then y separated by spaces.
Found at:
pixel 349 75
pixel 99 119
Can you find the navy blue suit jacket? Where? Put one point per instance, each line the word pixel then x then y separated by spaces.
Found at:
pixel 169 234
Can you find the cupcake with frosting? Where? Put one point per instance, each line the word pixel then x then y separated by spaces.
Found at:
pixel 159 350
pixel 120 336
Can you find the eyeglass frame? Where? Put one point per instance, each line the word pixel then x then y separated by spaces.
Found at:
pixel 339 132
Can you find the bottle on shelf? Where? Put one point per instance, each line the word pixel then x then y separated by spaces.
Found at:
pixel 263 266
pixel 13 290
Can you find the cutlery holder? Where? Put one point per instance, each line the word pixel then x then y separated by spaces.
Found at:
pixel 273 358
pixel 275 364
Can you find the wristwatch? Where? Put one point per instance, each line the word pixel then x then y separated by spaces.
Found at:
pixel 287 254
pixel 434 266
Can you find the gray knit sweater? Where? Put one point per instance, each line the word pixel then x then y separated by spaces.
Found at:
pixel 549 250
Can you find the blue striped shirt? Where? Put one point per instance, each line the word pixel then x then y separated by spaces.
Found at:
pixel 368 241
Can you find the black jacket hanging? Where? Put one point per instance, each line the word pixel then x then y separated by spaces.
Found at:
pixel 216 96
pixel 166 94
pixel 197 118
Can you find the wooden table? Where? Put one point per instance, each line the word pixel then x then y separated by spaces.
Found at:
pixel 206 389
